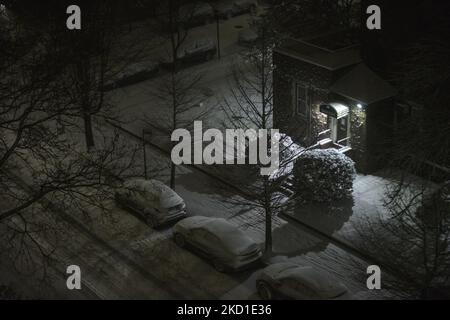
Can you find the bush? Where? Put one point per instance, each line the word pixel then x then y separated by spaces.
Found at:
pixel 323 175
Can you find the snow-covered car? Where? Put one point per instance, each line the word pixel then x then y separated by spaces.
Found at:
pixel 200 50
pixel 224 9
pixel 244 6
pixel 227 9
pixel 152 200
pixel 196 14
pixel 222 243
pixel 247 37
pixel 193 52
pixel 133 73
pixel 288 280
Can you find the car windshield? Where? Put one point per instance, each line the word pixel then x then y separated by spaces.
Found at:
pixel 176 207
pixel 169 199
pixel 232 239
pixel 198 45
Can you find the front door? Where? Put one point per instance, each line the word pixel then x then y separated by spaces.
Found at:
pixel 340 130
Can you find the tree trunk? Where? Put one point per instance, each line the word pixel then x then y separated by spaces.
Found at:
pixel 90 144
pixel 268 245
pixel 173 168
pixel 268 216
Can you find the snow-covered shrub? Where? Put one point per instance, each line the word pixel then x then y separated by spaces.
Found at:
pixel 323 175
pixel 288 152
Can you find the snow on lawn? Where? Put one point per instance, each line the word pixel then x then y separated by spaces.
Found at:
pixel 368 201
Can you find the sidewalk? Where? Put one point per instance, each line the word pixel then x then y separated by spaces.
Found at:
pixel 342 220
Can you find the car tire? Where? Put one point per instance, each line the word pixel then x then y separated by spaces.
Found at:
pixel 179 240
pixel 264 290
pixel 219 266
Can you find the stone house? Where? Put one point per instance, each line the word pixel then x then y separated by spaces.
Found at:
pixel 326 97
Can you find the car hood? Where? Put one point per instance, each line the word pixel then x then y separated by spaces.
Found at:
pixel 170 199
pixel 244 249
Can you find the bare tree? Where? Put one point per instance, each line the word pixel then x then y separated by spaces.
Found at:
pixel 39 163
pixel 89 50
pixel 179 90
pixel 414 236
pixel 250 106
pixel 413 243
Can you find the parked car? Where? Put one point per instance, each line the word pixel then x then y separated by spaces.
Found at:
pixel 293 281
pixel 133 73
pixel 244 6
pixel 194 52
pixel 227 247
pixel 196 14
pixel 199 51
pixel 227 9
pixel 224 9
pixel 152 200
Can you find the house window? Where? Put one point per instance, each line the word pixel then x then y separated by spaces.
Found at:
pixel 301 100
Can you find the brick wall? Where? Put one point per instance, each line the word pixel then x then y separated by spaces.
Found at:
pixel 289 71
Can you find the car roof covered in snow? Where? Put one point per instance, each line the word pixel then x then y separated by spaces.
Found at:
pixel 194 9
pixel 320 282
pixel 153 187
pixel 223 5
pixel 199 44
pixel 234 239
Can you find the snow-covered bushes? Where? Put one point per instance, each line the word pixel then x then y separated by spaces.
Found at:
pixel 323 175
pixel 288 151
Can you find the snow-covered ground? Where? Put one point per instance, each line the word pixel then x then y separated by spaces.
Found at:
pixel 367 203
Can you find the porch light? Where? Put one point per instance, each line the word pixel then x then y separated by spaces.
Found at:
pixel 359 105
